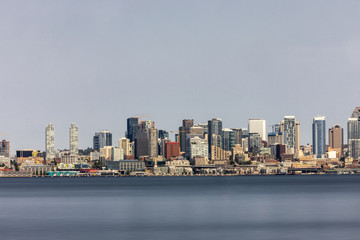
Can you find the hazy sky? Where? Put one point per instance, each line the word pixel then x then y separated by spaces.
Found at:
pixel 95 63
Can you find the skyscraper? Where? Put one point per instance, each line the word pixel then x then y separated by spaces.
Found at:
pixel 74 139
pixel 132 128
pixel 319 136
pixel 102 139
pixel 258 126
pixel 124 144
pixel 183 131
pixel 336 138
pixel 228 139
pixel 50 142
pixel 5 153
pixel 354 134
pixel 291 134
pixel 214 128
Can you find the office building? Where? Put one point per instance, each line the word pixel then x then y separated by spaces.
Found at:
pixel 132 128
pixel 124 144
pixel 74 139
pixel 50 142
pixel 255 143
pixel 153 143
pixel 5 153
pixel 141 143
pixel 172 150
pixel 198 147
pixel 336 138
pixel 319 137
pixel 291 134
pixel 258 126
pixel 102 139
pixel 228 139
pixel 163 134
pixel 183 131
pixel 354 134
pixel 214 128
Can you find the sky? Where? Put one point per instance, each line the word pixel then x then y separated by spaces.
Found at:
pixel 96 63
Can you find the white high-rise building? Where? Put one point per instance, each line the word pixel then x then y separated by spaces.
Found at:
pixel 74 139
pixel 50 142
pixel 258 126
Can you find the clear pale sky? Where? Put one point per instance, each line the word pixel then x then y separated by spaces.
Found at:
pixel 95 63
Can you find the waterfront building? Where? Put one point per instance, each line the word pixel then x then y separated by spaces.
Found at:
pixel 319 137
pixel 126 166
pixel 50 142
pixel 74 139
pixel 258 126
pixel 102 139
pixel 132 128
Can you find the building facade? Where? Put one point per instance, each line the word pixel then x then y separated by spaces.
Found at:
pixel 50 142
pixel 319 136
pixel 74 139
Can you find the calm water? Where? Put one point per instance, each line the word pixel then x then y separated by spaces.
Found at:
pixel 245 207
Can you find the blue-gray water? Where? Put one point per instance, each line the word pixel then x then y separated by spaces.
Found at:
pixel 245 207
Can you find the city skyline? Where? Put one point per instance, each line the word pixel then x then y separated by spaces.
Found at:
pixel 236 60
pixel 114 141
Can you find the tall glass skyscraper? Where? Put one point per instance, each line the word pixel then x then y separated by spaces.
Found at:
pixel 132 128
pixel 102 139
pixel 319 136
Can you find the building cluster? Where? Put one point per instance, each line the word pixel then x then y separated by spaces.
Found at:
pixel 203 148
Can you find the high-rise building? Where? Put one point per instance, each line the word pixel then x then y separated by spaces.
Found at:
pixel 183 131
pixel 255 142
pixel 198 147
pixel 172 150
pixel 291 134
pixel 141 143
pixel 124 144
pixel 336 136
pixel 153 143
pixel 74 139
pixel 50 142
pixel 227 139
pixel 162 147
pixel 319 136
pixel 163 134
pixel 132 128
pixel 214 128
pixel 258 126
pixel 102 139
pixel 5 153
pixel 354 134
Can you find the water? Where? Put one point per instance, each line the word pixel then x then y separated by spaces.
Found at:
pixel 243 207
